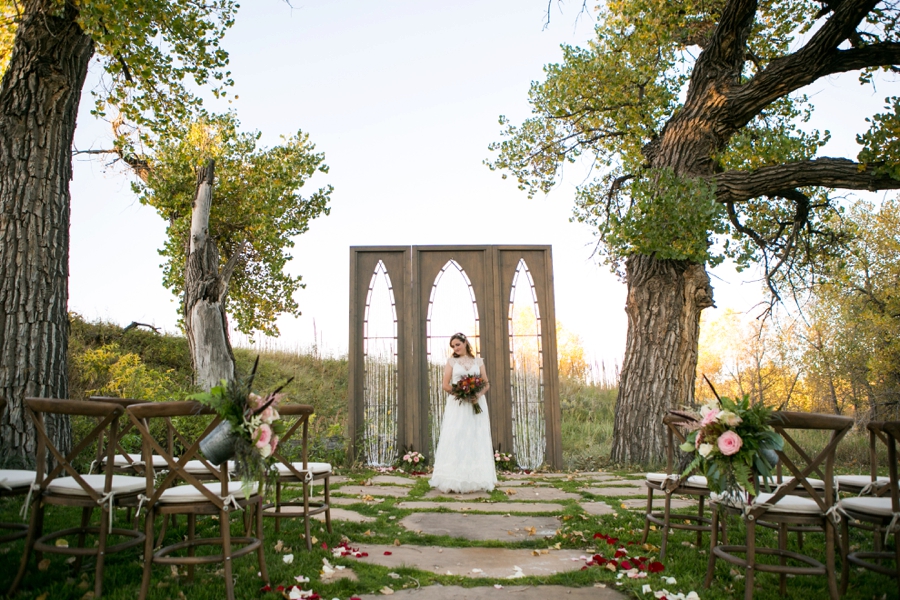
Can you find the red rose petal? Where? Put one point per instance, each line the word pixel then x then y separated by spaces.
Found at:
pixel 620 554
pixel 324 546
pixel 656 567
pixel 599 535
pixel 386 553
pixel 266 588
pixel 626 565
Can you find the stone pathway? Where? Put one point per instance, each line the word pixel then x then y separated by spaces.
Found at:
pixel 531 510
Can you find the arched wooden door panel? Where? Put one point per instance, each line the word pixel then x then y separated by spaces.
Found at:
pixel 460 288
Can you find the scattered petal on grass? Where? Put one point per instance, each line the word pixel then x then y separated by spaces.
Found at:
pixel 477 571
pixel 393 575
pixel 518 573
pixel 44 564
pixel 646 589
pixel 301 579
pixel 387 553
pixel 386 591
pixel 669 580
pixel 288 558
pixel 497 586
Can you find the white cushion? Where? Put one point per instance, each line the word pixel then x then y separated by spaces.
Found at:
pixel 121 484
pixel 185 494
pixel 11 479
pixel 698 481
pixel 870 505
pixel 859 480
pixel 316 467
pixel 121 461
pixel 788 504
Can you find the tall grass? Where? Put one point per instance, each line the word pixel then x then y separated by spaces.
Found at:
pixel 588 412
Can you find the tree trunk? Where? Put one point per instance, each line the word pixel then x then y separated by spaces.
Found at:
pixel 664 301
pixel 205 288
pixel 39 98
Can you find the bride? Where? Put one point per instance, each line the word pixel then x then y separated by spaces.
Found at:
pixel 464 459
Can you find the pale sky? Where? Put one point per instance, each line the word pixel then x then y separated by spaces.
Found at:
pixel 403 97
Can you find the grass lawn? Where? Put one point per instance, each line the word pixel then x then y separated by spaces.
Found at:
pixel 685 562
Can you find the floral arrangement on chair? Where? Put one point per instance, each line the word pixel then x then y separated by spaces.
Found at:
pixel 730 439
pixel 250 430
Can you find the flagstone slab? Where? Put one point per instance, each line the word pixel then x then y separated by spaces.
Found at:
pixel 490 507
pixel 521 483
pixel 512 592
pixel 393 491
pixel 616 491
pixel 435 493
pixel 491 562
pixel 530 494
pixel 658 503
pixel 598 509
pixel 481 527
pixel 392 480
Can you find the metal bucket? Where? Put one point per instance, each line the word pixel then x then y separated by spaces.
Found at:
pixel 218 446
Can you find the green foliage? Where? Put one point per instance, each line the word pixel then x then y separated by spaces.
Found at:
pixel 881 143
pixel 610 102
pixel 108 371
pixel 257 207
pixel 668 217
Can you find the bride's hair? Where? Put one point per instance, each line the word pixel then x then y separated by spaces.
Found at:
pixel 461 337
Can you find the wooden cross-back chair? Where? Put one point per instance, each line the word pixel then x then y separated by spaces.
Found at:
pixel 125 462
pixel 870 484
pixel 64 486
pixel 301 472
pixel 673 483
pixel 782 508
pixel 13 482
pixel 192 498
pixel 879 512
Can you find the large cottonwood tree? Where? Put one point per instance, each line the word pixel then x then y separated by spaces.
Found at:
pixel 692 113
pixel 149 51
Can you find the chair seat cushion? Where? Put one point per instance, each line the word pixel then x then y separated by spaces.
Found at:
pixel 317 468
pixel 697 481
pixel 859 481
pixel 120 461
pixel 11 479
pixel 879 507
pixel 187 493
pixel 121 484
pixel 787 504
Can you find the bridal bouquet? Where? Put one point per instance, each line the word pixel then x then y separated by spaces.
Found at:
pixel 250 427
pixel 731 439
pixel 468 389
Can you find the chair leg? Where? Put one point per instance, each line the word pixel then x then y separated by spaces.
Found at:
pixel 101 549
pixel 35 530
pixel 277 506
pixel 148 553
pixel 260 553
pixel 845 550
pixel 782 559
pixel 665 530
pixel 306 516
pixel 647 515
pixel 897 557
pixel 192 531
pixel 328 503
pixel 750 571
pixel 830 530
pixel 713 541
pixel 700 522
pixel 225 528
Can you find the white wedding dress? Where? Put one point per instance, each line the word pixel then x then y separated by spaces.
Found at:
pixel 464 459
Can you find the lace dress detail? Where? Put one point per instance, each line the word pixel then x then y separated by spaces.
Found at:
pixel 464 459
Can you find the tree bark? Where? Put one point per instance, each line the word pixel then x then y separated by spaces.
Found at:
pixel 664 301
pixel 205 321
pixel 39 98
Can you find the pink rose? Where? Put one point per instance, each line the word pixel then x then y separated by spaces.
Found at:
pixel 729 443
pixel 253 400
pixel 263 436
pixel 709 417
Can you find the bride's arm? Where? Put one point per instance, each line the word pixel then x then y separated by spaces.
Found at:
pixel 483 373
pixel 448 372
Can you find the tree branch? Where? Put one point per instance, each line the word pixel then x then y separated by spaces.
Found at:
pixel 739 186
pixel 726 49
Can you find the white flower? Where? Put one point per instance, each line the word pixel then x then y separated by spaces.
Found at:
pixel 706 449
pixel 707 408
pixel 265 451
pixel 729 418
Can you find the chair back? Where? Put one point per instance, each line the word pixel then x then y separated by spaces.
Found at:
pixel 128 464
pixel 300 413
pixel 807 462
pixel 141 416
pixel 892 431
pixel 107 416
